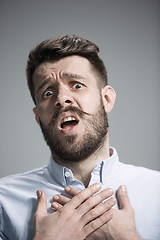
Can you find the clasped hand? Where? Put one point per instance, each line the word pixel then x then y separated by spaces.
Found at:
pixel 80 216
pixel 121 225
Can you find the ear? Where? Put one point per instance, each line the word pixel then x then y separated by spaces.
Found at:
pixel 36 114
pixel 108 98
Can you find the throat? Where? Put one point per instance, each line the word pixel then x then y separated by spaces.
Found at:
pixel 82 171
pixel 84 179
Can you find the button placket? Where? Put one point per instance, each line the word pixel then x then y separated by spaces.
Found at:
pixel 67 174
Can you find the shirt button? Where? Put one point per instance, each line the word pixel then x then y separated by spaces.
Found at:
pixel 67 174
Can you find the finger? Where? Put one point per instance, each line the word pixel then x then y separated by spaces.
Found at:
pixel 83 195
pixel 55 206
pixel 99 210
pixel 61 199
pixel 122 194
pixel 72 191
pixel 95 200
pixel 98 222
pixel 41 204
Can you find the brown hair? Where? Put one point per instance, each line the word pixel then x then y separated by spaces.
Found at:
pixel 54 49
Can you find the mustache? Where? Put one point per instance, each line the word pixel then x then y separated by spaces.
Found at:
pixel 68 108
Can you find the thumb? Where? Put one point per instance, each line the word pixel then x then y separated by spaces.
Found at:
pixel 41 204
pixel 123 199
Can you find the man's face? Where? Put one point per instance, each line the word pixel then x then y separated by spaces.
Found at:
pixel 69 108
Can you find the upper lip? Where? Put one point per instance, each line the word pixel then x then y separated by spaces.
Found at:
pixel 70 115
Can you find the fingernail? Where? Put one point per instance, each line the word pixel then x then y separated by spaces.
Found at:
pixel 124 188
pixel 56 197
pixel 39 194
pixel 54 205
pixel 67 189
pixel 98 186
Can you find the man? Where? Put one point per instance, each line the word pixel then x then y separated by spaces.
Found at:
pixel 83 191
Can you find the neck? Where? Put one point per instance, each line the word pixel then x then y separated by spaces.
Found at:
pixel 82 170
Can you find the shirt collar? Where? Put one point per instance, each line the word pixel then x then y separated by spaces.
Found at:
pixel 110 165
pixel 57 172
pixel 104 169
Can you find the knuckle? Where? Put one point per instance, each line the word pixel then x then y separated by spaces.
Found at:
pixel 111 201
pixel 106 205
pixel 125 197
pixel 60 198
pixel 74 191
pixel 61 211
pixel 89 203
pixel 103 194
pixel 93 225
pixel 107 216
pixel 93 213
pixel 104 218
pixel 81 195
pixel 109 191
pixel 106 193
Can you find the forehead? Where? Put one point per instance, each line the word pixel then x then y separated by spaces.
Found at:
pixel 72 65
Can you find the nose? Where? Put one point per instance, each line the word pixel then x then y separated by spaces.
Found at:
pixel 64 98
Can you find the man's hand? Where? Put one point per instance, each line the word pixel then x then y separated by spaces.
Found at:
pixel 80 216
pixel 122 225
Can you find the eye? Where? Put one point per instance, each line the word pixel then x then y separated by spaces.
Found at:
pixel 48 93
pixel 77 85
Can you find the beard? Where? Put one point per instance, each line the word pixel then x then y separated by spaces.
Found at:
pixel 69 149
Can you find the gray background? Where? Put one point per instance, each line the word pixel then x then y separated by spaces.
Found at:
pixel 127 32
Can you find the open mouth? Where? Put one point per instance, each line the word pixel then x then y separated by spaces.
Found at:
pixel 69 122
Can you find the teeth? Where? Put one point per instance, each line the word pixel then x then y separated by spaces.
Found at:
pixel 68 119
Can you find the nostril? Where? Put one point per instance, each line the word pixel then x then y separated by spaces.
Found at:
pixel 67 101
pixel 58 104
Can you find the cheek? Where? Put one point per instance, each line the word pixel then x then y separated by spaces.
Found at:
pixel 91 103
pixel 45 113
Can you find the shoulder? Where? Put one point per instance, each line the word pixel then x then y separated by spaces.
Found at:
pixel 141 178
pixel 20 176
pixel 141 181
pixel 18 191
pixel 132 173
pixel 138 171
pixel 22 181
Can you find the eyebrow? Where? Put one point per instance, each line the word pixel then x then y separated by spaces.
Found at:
pixel 43 84
pixel 71 75
pixel 64 76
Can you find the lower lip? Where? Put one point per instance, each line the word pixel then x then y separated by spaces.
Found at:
pixel 69 130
